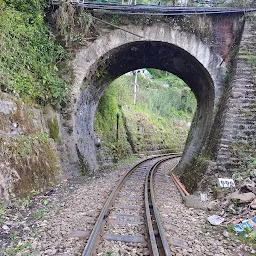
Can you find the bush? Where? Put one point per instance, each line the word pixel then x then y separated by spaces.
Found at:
pixel 28 55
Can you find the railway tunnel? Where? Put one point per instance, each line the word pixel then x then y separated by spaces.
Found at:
pixel 150 54
pixel 198 57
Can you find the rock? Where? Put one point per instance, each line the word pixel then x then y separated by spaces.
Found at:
pixel 248 185
pixel 232 209
pixel 225 233
pixel 80 234
pixel 222 213
pixel 6 107
pixel 253 204
pixel 243 198
pixel 225 203
pixel 204 197
pixel 193 201
pixel 50 252
pixel 213 206
pixel 253 251
pixel 5 227
pixel 218 193
pixel 176 243
pixel 26 229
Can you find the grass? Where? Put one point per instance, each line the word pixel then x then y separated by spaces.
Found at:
pixel 39 214
pixel 13 237
pixel 58 210
pixel 204 230
pixel 153 123
pixel 248 237
pixel 128 160
pixel 14 250
pixel 26 202
pixel 2 211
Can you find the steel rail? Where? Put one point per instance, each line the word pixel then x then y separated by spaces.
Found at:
pixel 159 246
pixel 96 230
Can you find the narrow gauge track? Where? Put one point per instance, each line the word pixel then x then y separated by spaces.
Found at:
pixel 129 218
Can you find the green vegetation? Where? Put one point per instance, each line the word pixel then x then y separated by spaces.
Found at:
pixel 246 154
pixel 237 3
pixel 54 129
pixel 2 211
pixel 15 250
pixel 26 202
pixel 29 56
pixel 247 237
pixel 204 230
pixel 39 214
pixel 74 25
pixel 159 120
pixel 29 152
pixel 58 210
pixel 105 125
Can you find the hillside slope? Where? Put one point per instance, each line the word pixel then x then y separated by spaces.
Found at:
pixel 160 119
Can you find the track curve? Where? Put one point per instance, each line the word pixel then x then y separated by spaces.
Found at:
pixel 129 218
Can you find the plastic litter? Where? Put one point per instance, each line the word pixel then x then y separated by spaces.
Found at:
pixel 204 197
pixel 245 225
pixel 215 219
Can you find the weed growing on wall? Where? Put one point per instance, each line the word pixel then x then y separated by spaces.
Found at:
pixel 74 25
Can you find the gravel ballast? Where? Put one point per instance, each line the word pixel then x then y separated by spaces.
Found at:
pixel 60 221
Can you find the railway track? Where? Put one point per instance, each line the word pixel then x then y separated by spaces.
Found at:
pixel 129 221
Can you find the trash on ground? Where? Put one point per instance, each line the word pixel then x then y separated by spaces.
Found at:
pixel 204 197
pixel 215 219
pixel 226 183
pixel 5 227
pixel 246 225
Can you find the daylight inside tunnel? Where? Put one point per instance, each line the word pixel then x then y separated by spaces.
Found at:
pixel 145 112
pixel 137 55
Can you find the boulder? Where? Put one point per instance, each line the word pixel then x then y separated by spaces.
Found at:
pixel 242 198
pixel 248 186
pixel 253 204
pixel 213 205
pixel 193 201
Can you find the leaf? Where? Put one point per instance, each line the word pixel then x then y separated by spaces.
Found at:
pixel 45 202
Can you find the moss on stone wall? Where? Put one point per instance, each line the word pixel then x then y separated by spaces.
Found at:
pixel 53 126
pixel 105 126
pixel 33 159
pixel 27 157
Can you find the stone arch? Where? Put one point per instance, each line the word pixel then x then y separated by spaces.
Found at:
pixel 161 47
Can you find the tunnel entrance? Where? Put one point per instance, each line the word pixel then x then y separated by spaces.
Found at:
pixel 143 112
pixel 138 55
